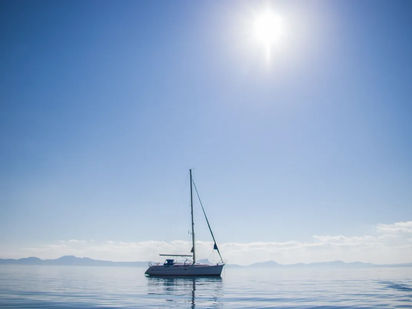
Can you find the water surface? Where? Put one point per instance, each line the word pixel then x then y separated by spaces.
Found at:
pixel 24 286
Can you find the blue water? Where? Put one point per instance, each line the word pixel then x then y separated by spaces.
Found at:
pixel 127 287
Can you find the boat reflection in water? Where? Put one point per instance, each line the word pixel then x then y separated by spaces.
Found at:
pixel 186 291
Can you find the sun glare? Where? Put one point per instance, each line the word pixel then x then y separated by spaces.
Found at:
pixel 268 30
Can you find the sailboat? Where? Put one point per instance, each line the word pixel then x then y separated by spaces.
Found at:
pixel 188 268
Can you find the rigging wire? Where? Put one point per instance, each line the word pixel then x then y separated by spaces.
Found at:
pixel 207 221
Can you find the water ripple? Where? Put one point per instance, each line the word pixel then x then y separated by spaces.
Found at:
pixel 122 287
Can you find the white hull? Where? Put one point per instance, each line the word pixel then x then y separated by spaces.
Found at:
pixel 185 270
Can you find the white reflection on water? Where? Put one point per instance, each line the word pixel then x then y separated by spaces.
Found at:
pixel 206 291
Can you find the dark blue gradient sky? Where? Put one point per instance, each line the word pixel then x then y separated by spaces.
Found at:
pixel 105 105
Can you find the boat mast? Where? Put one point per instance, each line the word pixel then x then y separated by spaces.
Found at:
pixel 193 223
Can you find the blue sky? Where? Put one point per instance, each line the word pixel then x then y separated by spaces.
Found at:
pixel 105 105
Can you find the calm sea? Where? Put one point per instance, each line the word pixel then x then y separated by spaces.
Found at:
pixel 127 287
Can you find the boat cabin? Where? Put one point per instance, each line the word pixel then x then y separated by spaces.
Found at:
pixel 169 262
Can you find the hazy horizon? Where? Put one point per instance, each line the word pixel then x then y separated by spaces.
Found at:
pixel 385 246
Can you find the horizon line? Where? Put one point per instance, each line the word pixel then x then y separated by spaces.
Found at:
pixel 79 258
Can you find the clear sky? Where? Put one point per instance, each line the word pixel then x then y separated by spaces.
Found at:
pixel 105 105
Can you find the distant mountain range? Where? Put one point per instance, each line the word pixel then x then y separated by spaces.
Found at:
pixel 84 261
pixel 69 260
pixel 340 264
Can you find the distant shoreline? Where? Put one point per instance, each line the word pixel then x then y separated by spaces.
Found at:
pixel 85 261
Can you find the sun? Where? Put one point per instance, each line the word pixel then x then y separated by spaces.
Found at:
pixel 268 30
